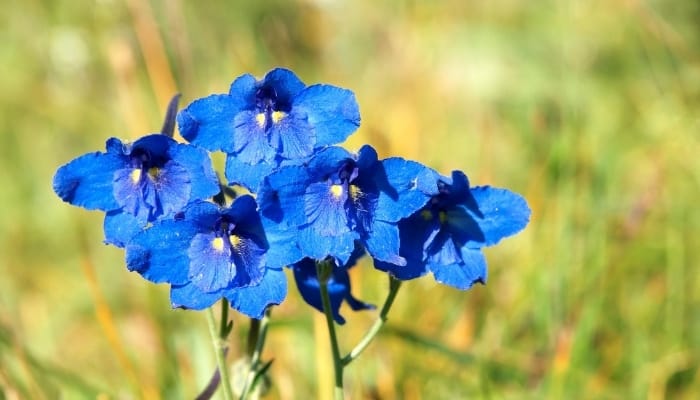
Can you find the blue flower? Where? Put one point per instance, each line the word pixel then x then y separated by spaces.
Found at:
pixel 151 178
pixel 270 120
pixel 338 285
pixel 446 236
pixel 339 198
pixel 206 253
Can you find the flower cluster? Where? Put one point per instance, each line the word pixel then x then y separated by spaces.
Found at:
pixel 311 201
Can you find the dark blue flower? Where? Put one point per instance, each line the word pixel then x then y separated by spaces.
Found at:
pixel 269 120
pixel 208 252
pixel 151 178
pixel 339 289
pixel 446 236
pixel 339 198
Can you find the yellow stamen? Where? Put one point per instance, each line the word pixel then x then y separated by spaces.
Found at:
pixel 135 175
pixel 153 172
pixel 426 214
pixel 218 244
pixel 337 191
pixel 277 116
pixel 443 217
pixel 235 241
pixel 260 118
pixel 355 192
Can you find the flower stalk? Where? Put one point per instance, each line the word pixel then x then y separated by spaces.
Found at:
pixel 218 337
pixel 324 270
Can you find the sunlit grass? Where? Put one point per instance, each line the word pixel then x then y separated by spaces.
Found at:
pixel 588 109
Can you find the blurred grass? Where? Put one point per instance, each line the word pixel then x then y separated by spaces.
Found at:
pixel 590 109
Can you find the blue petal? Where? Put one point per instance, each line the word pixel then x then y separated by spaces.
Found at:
pixel 319 247
pixel 327 161
pixel 209 122
pixel 338 288
pixel 159 254
pixel 172 187
pixel 210 266
pixel 87 181
pixel 285 83
pixel 499 213
pixel 189 296
pixel 292 137
pixel 462 275
pixel 325 213
pixel 281 197
pixel 196 161
pixel 415 233
pixel 253 300
pixel 134 196
pixel 247 175
pixel 383 243
pixel 443 250
pixel 404 187
pixel 242 91
pixel 284 250
pixel 120 227
pixel 251 139
pixel 333 112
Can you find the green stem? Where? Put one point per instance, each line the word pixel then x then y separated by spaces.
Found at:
pixel 323 271
pixel 394 285
pixel 219 349
pixel 256 343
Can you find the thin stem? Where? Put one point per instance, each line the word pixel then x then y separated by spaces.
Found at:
pixel 394 285
pixel 323 271
pixel 219 350
pixel 255 350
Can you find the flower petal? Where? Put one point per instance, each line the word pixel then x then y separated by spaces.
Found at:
pixel 462 275
pixel 333 112
pixel 383 243
pixel 87 181
pixel 404 187
pixel 247 175
pixel 203 180
pixel 251 140
pixel 159 253
pixel 285 83
pixel 253 300
pixel 210 267
pixel 324 206
pixel 189 296
pixel 120 227
pixel 499 213
pixel 209 122
pixel 293 136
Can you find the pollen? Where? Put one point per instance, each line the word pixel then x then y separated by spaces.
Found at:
pixel 153 172
pixel 260 118
pixel 218 244
pixel 235 241
pixel 426 215
pixel 277 116
pixel 337 191
pixel 135 175
pixel 355 192
pixel 443 217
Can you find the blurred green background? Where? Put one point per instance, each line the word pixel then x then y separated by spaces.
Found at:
pixel 587 108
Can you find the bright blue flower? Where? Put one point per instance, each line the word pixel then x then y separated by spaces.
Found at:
pixel 269 120
pixel 209 246
pixel 339 198
pixel 208 252
pixel 446 236
pixel 338 285
pixel 137 183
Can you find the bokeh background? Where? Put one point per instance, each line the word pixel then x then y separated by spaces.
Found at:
pixel 587 108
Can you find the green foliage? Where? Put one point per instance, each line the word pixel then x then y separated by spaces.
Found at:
pixel 590 109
